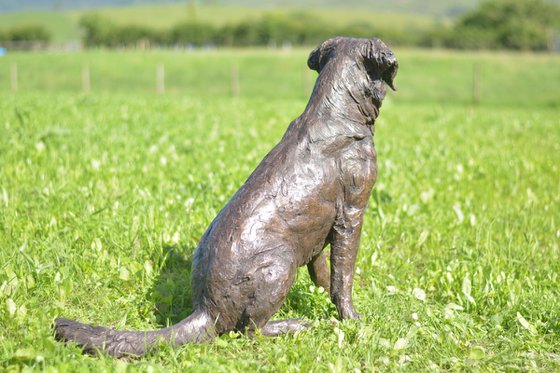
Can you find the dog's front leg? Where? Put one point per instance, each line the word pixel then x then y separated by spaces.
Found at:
pixel 344 247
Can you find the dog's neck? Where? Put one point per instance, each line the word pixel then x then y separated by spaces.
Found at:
pixel 344 91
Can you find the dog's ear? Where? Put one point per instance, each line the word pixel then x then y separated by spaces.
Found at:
pixel 320 55
pixel 313 60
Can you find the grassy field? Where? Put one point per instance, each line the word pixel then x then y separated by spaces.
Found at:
pixel 104 197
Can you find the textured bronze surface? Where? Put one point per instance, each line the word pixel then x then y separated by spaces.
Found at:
pixel 309 192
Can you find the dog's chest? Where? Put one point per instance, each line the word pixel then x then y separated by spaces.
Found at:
pixel 358 170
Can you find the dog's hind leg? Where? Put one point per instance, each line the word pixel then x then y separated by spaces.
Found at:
pixel 267 290
pixel 277 327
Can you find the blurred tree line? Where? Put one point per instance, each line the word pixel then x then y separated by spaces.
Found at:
pixel 24 34
pixel 273 29
pixel 496 24
pixel 502 24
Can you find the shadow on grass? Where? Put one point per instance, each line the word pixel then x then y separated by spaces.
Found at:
pixel 171 292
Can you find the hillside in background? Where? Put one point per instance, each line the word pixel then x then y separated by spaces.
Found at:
pixel 429 7
pixel 63 24
pixel 523 25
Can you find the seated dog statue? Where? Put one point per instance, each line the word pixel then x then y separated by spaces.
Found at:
pixel 309 192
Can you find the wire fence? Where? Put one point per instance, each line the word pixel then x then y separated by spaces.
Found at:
pixel 86 82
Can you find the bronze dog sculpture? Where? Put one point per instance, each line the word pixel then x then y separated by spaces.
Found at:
pixel 310 191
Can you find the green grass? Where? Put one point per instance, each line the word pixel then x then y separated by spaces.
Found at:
pixel 103 199
pixel 425 76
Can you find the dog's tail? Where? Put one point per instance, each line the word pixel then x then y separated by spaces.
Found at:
pixel 197 327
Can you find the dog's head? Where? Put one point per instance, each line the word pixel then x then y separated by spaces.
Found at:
pixel 376 58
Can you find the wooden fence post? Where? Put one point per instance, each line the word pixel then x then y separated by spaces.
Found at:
pixel 160 79
pixel 85 79
pixel 14 77
pixel 235 80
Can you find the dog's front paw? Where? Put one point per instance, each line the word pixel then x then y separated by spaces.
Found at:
pixel 353 315
pixel 349 313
